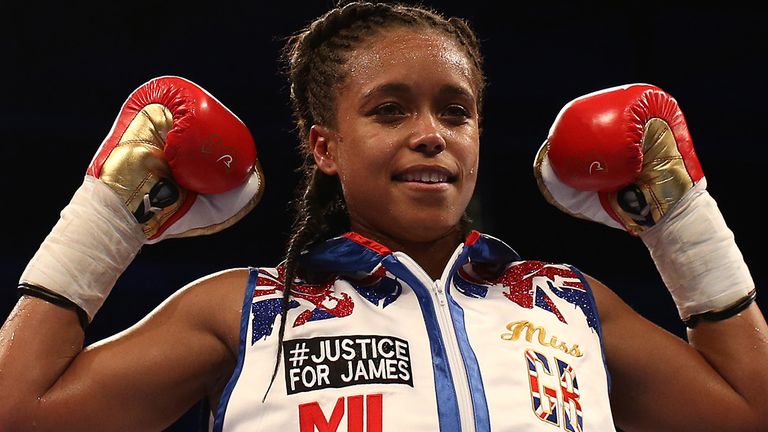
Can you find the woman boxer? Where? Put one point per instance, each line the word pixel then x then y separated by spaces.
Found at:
pixel 389 312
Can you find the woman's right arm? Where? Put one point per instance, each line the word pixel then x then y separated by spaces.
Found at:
pixel 141 379
pixel 175 163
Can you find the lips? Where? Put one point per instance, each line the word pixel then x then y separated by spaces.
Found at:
pixel 425 174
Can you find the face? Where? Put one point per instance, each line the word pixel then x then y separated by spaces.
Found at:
pixel 406 141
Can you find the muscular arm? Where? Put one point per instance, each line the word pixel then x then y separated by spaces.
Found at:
pixel 716 382
pixel 141 379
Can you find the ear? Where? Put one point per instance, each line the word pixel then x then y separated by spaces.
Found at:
pixel 323 143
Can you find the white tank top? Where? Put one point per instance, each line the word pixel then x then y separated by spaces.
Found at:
pixel 495 344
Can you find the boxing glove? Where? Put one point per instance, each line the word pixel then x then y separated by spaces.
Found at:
pixel 624 157
pixel 175 163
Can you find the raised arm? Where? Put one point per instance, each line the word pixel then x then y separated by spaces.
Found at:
pixel 142 379
pixel 176 163
pixel 661 383
pixel 624 157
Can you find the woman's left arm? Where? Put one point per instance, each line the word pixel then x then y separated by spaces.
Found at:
pixel 716 382
pixel 624 157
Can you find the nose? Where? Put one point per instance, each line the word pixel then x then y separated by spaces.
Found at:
pixel 427 137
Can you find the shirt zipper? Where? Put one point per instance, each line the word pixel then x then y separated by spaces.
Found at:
pixel 445 322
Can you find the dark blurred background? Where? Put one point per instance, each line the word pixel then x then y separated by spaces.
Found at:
pixel 68 68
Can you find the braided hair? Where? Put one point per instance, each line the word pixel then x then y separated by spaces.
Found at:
pixel 314 62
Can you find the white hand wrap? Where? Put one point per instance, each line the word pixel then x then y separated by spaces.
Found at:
pixel 90 246
pixel 697 257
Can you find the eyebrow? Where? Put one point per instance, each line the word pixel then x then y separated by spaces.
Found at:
pixel 402 88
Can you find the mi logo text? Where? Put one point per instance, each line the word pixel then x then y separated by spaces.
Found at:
pixel 362 412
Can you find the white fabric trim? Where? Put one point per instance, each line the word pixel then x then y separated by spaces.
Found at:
pixel 577 202
pixel 212 209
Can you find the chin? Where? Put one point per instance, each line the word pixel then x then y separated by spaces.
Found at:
pixel 426 229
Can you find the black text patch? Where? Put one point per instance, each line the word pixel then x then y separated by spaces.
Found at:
pixel 342 361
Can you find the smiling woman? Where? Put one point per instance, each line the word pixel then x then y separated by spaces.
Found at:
pixel 401 133
pixel 389 311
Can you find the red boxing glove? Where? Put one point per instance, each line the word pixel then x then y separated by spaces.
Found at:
pixel 176 163
pixel 624 157
pixel 630 145
pixel 171 141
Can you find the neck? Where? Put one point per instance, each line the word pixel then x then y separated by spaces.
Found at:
pixel 432 255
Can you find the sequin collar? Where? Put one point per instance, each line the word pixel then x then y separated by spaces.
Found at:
pixel 354 253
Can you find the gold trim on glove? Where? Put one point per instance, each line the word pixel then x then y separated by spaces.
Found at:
pixel 136 165
pixel 663 179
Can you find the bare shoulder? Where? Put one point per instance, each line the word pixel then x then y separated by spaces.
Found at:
pixel 218 285
pixel 608 302
pixel 215 302
pixel 620 322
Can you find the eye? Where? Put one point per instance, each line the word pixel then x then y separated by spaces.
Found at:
pixel 457 114
pixel 388 112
